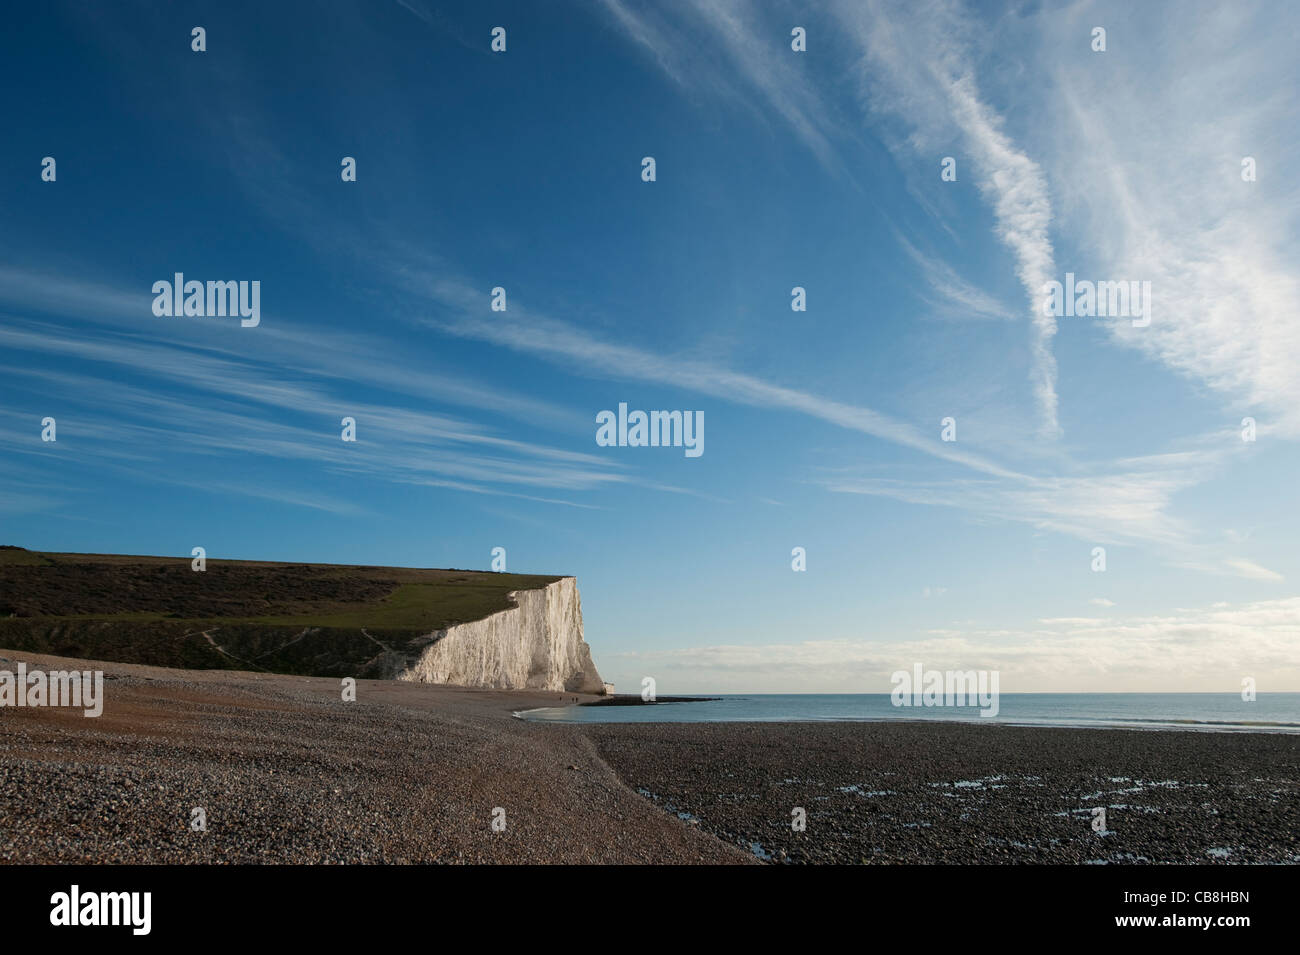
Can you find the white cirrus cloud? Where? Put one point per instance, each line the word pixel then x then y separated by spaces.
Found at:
pixel 1146 151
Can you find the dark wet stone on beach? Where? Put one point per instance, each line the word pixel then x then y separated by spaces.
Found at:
pixel 960 793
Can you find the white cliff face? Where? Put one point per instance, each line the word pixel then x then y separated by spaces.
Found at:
pixel 535 645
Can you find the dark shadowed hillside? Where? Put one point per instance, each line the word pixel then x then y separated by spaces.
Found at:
pixel 309 619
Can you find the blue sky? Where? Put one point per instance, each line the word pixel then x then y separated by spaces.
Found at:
pixel 775 169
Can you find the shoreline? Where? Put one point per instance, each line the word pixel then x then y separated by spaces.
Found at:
pixel 1267 727
pixel 412 773
pixel 1263 729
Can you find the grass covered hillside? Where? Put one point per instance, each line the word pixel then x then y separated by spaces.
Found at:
pixel 309 619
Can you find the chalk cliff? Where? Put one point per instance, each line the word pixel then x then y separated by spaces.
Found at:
pixel 536 645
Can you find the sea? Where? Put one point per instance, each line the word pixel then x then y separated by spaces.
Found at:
pixel 1207 712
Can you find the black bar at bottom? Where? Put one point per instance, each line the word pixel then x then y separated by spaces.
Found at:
pixel 333 904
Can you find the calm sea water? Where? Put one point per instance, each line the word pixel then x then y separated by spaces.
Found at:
pixel 1271 712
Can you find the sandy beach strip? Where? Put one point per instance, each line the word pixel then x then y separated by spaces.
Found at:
pixel 286 772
